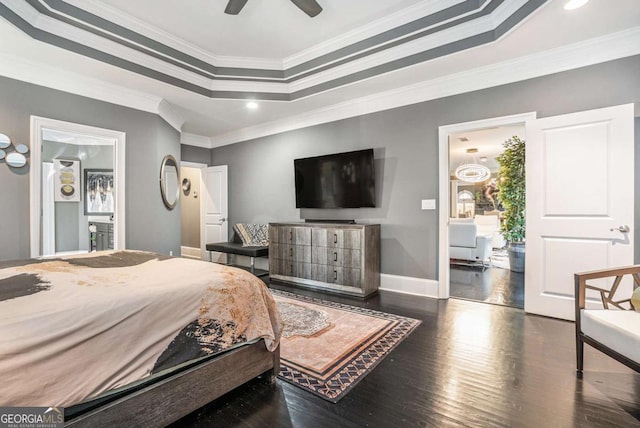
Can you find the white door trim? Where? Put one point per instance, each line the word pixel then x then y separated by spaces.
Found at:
pixel 443 185
pixel 35 175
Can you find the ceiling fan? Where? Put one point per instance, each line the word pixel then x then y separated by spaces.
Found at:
pixel 310 7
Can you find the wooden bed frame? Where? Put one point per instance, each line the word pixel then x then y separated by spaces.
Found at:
pixel 174 397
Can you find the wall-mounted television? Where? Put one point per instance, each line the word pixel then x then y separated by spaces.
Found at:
pixel 340 180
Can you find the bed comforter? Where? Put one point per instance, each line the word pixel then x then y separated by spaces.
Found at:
pixel 74 328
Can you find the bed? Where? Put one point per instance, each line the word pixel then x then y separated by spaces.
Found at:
pixel 130 336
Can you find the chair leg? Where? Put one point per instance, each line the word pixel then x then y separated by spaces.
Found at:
pixel 579 357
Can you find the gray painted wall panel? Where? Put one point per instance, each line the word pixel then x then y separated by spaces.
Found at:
pixel 195 154
pixel 150 226
pixel 405 139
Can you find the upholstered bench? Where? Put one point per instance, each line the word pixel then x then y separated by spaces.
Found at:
pixel 615 328
pixel 238 246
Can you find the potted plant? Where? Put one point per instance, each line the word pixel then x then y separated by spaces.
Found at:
pixel 511 195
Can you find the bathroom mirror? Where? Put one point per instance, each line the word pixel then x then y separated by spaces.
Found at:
pixel 16 160
pixel 169 181
pixel 5 141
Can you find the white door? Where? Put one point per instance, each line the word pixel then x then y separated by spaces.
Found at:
pixel 215 226
pixel 580 182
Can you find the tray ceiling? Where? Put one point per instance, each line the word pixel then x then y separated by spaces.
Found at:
pixel 200 64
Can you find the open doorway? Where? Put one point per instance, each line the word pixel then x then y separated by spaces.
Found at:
pixel 476 277
pixel 77 191
pixel 191 209
pixel 478 260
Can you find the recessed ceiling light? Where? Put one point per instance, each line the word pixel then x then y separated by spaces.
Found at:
pixel 574 4
pixel 252 105
pixel 483 159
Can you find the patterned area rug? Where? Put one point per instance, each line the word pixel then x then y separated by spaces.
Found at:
pixel 336 345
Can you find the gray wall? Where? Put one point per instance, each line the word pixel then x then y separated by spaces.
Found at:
pixel 405 139
pixel 190 210
pixel 195 154
pixel 150 226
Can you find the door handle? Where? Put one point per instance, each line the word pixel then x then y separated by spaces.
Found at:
pixel 222 220
pixel 623 229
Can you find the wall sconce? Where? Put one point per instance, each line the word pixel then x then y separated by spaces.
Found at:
pixel 15 159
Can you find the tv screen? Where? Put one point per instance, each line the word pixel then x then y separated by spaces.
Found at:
pixel 341 180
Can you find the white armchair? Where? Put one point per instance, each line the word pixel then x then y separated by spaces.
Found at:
pixel 465 243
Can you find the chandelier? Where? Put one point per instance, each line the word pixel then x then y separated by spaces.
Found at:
pixel 472 172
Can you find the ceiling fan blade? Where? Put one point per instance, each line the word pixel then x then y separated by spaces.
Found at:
pixel 310 7
pixel 235 6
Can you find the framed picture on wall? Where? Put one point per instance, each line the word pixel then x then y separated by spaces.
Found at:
pixel 66 180
pixel 99 193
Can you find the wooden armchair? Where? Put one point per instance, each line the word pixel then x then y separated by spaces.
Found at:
pixel 613 329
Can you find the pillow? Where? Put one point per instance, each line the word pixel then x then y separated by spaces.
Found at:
pixel 253 235
pixel 635 299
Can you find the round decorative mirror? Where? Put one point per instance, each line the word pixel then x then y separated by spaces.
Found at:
pixel 186 185
pixel 5 141
pixel 169 181
pixel 22 148
pixel 16 160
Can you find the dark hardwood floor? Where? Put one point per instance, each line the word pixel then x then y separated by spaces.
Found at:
pixel 491 285
pixel 467 364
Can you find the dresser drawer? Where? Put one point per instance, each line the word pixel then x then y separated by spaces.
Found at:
pixel 290 268
pixel 336 257
pixel 343 276
pixel 336 238
pixel 290 235
pixel 296 253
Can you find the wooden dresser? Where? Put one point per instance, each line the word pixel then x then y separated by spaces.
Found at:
pixel 341 258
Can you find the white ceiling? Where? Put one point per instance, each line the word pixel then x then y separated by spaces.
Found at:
pixel 271 32
pixel 272 29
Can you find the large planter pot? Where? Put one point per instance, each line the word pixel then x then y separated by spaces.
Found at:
pixel 516 257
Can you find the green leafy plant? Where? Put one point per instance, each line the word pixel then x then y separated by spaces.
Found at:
pixel 512 189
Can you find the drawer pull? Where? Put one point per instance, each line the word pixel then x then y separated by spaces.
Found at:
pixel 335 238
pixel 291 252
pixel 291 235
pixel 335 275
pixel 335 256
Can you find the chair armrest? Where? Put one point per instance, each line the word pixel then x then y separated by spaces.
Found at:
pixel 483 246
pixel 607 295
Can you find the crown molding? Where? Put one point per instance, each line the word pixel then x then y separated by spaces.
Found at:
pixel 125 20
pixel 594 51
pixel 42 74
pixel 399 52
pixel 405 16
pixel 170 115
pixel 195 140
pixel 195 76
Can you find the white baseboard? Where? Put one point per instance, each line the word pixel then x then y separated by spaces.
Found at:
pixel 190 252
pixel 409 285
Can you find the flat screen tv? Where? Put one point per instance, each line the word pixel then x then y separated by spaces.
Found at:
pixel 340 180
